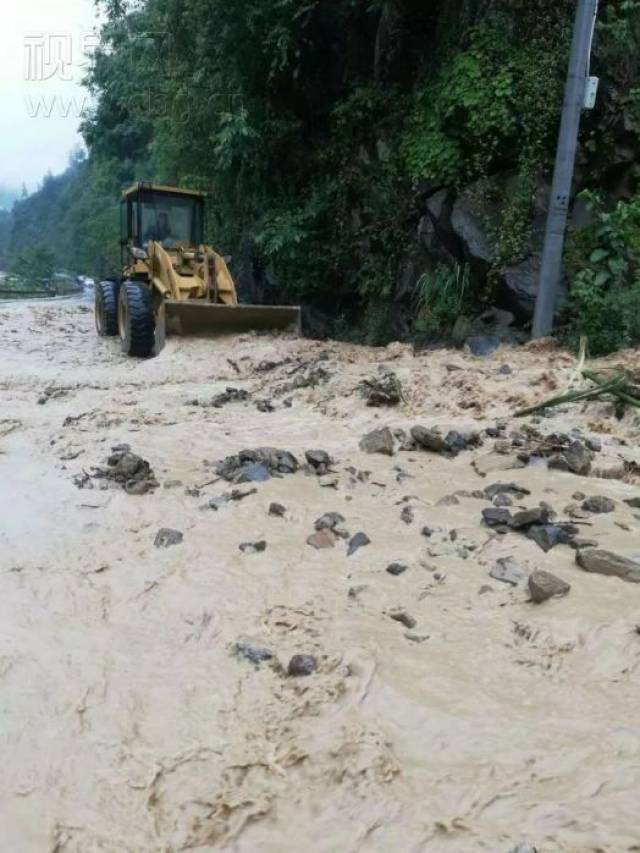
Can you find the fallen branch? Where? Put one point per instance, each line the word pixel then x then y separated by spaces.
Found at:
pixel 619 386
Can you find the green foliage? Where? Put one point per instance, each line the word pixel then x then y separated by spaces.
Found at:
pixel 440 298
pixel 34 264
pixel 491 106
pixel 605 282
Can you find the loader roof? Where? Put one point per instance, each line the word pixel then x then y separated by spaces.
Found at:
pixel 160 188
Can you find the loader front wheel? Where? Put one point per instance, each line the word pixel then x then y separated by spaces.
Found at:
pixel 106 309
pixel 136 322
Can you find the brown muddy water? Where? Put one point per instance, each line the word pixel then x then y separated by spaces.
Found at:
pixel 128 722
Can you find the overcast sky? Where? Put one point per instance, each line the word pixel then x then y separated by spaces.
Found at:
pixel 42 50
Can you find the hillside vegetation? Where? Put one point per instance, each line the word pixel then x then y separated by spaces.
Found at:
pixel 387 162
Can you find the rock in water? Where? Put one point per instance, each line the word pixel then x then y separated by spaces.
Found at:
pixel 360 540
pixel 329 521
pixel 524 519
pixel 508 571
pixel 396 569
pixel 598 504
pixel 608 563
pixel 378 441
pixel 544 585
pixel 634 503
pixel 319 460
pixel 524 848
pixel 257 465
pixel 277 510
pixel 403 618
pixel 547 536
pixel 322 539
pixel 253 547
pixel 497 517
pixel 579 459
pixel 256 654
pixel 301 666
pixel 165 538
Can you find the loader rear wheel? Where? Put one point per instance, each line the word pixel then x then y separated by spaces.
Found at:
pixel 106 309
pixel 135 319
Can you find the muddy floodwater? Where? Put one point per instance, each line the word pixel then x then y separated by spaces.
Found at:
pixel 146 704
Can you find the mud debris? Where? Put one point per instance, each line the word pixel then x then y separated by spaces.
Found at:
pixel 383 390
pixel 124 468
pixel 257 465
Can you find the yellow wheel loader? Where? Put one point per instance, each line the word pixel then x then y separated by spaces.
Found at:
pixel 171 282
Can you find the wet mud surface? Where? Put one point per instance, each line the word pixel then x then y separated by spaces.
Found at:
pixel 341 655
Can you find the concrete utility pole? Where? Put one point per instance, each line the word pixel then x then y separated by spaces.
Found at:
pixel 574 102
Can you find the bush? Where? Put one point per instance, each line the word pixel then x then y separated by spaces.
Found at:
pixel 604 303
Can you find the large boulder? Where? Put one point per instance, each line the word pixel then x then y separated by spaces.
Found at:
pixel 468 221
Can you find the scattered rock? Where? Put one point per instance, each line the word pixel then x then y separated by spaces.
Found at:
pixel 403 618
pixel 329 521
pixel 397 569
pixel 547 536
pixel 253 547
pixel 502 501
pixel 253 653
pixel 277 510
pixel 511 489
pixel 360 540
pixel 407 515
pixel 251 466
pixel 580 544
pixel 322 539
pixel 544 585
pixel 508 571
pixel 484 345
pixel 524 848
pixel 319 460
pixel 634 503
pixel 301 666
pixel 599 505
pixel 378 441
pixel 166 538
pixel 528 517
pixel 577 457
pixel 231 395
pixel 266 407
pixel 450 445
pixel 608 563
pixel 497 517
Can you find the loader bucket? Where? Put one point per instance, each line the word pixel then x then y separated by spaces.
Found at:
pixel 206 319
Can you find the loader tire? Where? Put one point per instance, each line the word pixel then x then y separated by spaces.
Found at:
pixel 106 309
pixel 135 319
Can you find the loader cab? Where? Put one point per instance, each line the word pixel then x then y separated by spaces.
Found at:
pixel 172 217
